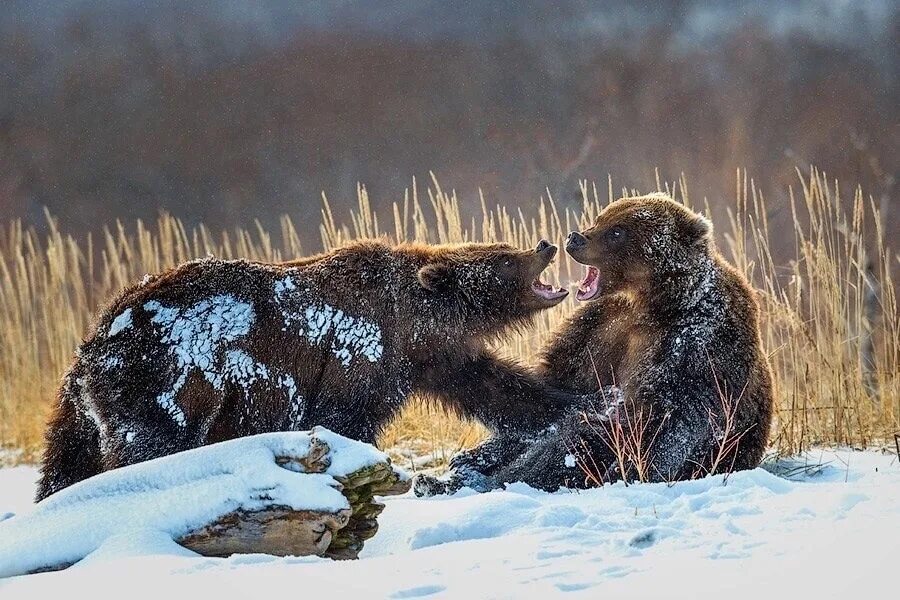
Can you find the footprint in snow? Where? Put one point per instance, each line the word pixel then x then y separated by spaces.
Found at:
pixel 615 571
pixel 849 501
pixel 548 554
pixel 418 592
pixel 644 539
pixel 573 587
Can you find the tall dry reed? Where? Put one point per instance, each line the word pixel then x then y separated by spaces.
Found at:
pixel 830 313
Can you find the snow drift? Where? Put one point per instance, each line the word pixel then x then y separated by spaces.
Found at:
pixel 820 526
pixel 170 497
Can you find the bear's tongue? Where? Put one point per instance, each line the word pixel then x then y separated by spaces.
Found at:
pixel 547 291
pixel 587 289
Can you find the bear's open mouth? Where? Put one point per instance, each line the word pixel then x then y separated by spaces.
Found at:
pixel 547 291
pixel 590 285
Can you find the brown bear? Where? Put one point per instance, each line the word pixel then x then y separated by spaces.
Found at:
pixel 214 350
pixel 670 337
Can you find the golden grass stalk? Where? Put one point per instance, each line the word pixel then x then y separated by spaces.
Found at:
pixel 830 313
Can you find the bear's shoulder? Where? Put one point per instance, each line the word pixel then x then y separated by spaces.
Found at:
pixel 357 251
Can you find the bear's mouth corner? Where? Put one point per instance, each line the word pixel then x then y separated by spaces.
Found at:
pixel 547 291
pixel 590 285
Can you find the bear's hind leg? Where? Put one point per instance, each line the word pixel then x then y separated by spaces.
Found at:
pixel 72 449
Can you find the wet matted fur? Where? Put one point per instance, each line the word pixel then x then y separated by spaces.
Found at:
pixel 670 336
pixel 214 350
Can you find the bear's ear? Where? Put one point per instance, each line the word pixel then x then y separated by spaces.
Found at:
pixel 699 229
pixel 435 276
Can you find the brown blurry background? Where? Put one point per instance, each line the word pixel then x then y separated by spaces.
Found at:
pixel 225 112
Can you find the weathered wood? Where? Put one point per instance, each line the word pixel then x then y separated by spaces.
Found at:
pixel 276 530
pixel 360 488
pixel 280 531
pixel 315 461
pixel 271 527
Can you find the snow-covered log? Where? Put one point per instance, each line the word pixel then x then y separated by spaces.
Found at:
pixel 292 493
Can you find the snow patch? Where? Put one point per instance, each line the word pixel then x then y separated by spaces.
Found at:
pixel 283 286
pixel 168 497
pixel 755 536
pixel 195 335
pixel 297 402
pixel 350 336
pixel 240 368
pixel 123 321
pixel 111 361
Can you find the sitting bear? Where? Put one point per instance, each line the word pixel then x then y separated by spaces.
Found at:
pixel 670 337
pixel 214 350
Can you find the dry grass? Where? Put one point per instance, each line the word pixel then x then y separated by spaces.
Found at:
pixel 831 323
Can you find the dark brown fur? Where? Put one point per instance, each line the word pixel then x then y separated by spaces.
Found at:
pixel 672 331
pixel 214 350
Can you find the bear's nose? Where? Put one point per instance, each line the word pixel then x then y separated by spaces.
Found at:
pixel 575 241
pixel 542 245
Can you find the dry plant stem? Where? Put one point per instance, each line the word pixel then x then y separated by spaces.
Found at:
pixel 624 431
pixel 591 471
pixel 726 434
pixel 830 315
pixel 585 460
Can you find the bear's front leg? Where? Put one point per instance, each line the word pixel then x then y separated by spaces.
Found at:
pixel 504 395
pixel 473 468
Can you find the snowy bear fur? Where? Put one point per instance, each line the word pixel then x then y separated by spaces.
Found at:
pixel 213 350
pixel 668 331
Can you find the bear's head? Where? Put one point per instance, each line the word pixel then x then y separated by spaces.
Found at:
pixel 641 245
pixel 491 286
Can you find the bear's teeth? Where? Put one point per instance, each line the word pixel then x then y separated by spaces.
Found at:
pixel 588 288
pixel 538 284
pixel 547 291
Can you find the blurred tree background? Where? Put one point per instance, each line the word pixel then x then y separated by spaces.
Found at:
pixel 226 111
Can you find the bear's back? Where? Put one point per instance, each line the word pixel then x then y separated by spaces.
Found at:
pixel 280 346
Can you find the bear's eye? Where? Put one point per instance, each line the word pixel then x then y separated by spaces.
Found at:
pixel 615 235
pixel 506 266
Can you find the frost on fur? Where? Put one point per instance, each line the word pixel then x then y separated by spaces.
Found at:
pixel 214 350
pixel 669 336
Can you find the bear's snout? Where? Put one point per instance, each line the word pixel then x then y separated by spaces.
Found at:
pixel 575 242
pixel 545 251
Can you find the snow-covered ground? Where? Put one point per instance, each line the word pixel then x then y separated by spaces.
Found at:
pixel 829 531
pixel 173 496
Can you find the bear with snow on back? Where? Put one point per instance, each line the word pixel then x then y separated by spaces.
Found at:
pixel 214 350
pixel 669 335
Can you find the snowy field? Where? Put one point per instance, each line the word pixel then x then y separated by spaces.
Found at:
pixel 828 527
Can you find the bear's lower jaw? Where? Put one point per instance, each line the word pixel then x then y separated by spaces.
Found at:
pixel 547 292
pixel 589 286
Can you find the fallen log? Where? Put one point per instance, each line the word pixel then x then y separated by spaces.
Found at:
pixel 281 531
pixel 292 493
